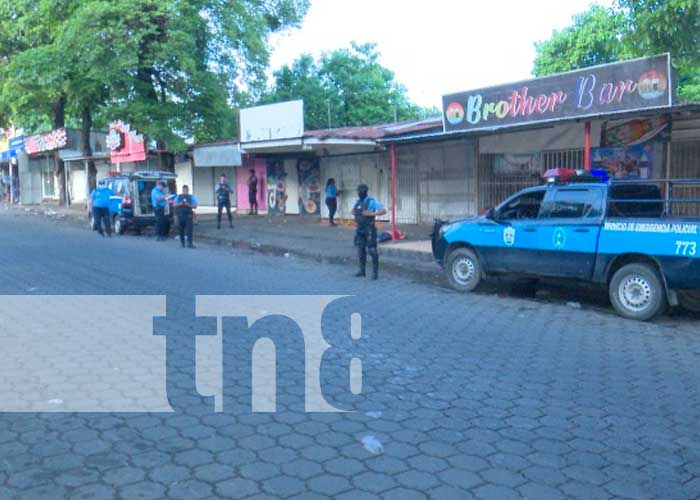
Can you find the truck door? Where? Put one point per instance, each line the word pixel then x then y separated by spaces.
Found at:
pixel 517 232
pixel 568 234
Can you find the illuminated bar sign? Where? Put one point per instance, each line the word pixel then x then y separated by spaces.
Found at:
pixel 635 85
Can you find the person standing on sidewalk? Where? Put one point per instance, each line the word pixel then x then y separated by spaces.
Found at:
pixel 223 192
pixel 365 210
pixel 253 192
pixel 159 201
pixel 100 197
pixel 185 204
pixel 331 200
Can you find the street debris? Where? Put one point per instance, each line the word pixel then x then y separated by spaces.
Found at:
pixel 373 445
pixel 55 402
pixel 575 305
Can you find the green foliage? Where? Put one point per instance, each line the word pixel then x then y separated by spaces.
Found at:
pixel 174 69
pixel 593 38
pixel 351 82
pixel 632 28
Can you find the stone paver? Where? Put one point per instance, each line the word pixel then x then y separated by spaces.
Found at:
pixel 476 396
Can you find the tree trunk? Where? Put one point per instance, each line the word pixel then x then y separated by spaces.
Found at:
pixel 59 121
pixel 86 127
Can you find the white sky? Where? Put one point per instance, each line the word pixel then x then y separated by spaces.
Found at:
pixel 437 46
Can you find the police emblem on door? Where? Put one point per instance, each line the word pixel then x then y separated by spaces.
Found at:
pixel 559 238
pixel 509 236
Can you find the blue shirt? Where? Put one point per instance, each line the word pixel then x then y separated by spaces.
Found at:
pixel 157 193
pixel 100 197
pixel 193 200
pixel 373 205
pixel 331 191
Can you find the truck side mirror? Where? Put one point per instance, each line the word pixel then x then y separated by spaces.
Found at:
pixel 491 213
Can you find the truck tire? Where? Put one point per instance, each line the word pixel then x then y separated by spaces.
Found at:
pixel 119 225
pixel 637 292
pixel 463 270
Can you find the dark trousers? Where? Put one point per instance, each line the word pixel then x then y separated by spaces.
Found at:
pixel 366 242
pixel 220 208
pixel 101 216
pixel 161 222
pixel 253 201
pixel 332 204
pixel 185 225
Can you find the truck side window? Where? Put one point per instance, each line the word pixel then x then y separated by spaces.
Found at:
pixel 525 206
pixel 575 204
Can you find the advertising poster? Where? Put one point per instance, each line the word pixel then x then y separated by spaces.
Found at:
pixel 632 161
pixel 309 187
pixel 276 187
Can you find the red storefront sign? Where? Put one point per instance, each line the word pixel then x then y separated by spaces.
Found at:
pixel 125 144
pixel 56 139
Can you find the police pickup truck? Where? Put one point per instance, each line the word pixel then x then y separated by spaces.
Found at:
pixel 622 234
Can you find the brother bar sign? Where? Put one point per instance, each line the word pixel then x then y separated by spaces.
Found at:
pixel 638 84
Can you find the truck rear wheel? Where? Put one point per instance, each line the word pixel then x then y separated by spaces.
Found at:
pixel 463 270
pixel 637 292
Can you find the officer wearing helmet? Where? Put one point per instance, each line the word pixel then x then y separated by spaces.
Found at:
pixel 365 210
pixel 100 197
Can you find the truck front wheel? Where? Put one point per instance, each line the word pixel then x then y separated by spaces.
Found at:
pixel 463 270
pixel 636 292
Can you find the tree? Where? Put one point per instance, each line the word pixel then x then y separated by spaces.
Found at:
pixel 350 83
pixel 174 69
pixel 593 38
pixel 631 28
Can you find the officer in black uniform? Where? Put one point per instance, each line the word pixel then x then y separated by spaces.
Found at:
pixel 184 204
pixel 223 192
pixel 365 210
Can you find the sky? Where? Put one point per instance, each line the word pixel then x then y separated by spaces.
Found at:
pixel 434 47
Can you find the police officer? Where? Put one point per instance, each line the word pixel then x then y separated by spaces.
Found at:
pixel 100 197
pixel 159 201
pixel 223 191
pixel 365 210
pixel 184 204
pixel 253 192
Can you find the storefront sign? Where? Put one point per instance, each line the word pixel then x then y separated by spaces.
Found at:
pixel 284 120
pixel 635 131
pixel 50 141
pixel 612 88
pixel 125 145
pixel 228 155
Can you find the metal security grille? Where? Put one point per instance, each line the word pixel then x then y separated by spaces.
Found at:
pixel 568 158
pixel 685 164
pixel 493 188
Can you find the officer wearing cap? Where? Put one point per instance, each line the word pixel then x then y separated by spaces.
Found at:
pixel 365 210
pixel 100 197
pixel 159 201
pixel 184 204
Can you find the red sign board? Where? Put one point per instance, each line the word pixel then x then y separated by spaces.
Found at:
pixel 56 139
pixel 125 144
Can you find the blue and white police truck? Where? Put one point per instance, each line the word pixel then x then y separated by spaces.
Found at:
pixel 637 237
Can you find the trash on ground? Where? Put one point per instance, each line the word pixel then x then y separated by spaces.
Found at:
pixel 373 445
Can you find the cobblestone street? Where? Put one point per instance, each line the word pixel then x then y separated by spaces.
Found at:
pixel 463 396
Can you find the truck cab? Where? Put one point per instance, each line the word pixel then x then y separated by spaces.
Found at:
pixel 583 231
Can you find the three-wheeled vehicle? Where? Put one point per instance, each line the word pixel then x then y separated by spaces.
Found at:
pixel 131 206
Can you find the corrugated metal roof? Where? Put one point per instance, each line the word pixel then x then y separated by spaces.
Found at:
pixel 376 131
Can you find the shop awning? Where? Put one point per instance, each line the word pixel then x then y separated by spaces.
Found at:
pixel 224 155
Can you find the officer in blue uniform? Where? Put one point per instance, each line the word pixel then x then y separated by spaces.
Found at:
pixel 365 210
pixel 159 201
pixel 184 204
pixel 223 192
pixel 100 197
